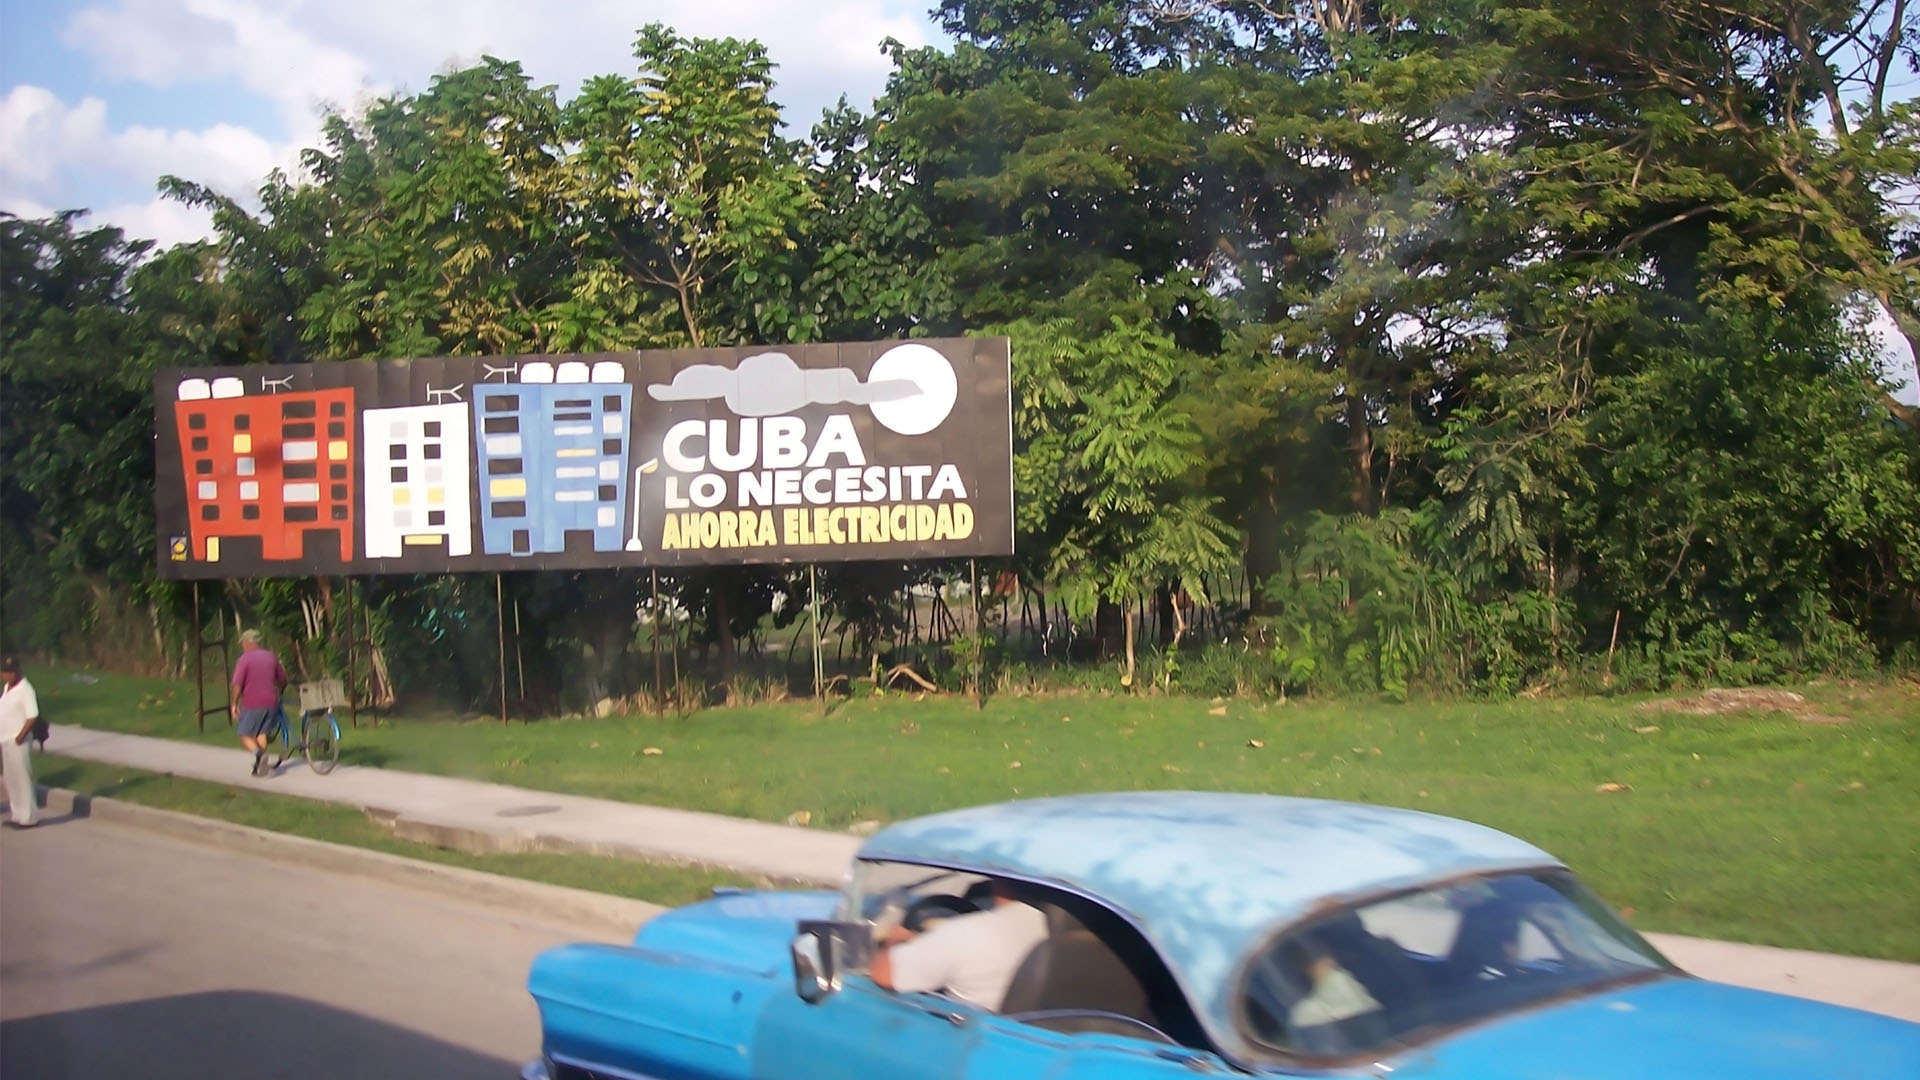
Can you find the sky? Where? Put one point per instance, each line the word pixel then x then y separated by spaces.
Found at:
pixel 102 98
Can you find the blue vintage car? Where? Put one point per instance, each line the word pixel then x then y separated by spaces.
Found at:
pixel 1189 934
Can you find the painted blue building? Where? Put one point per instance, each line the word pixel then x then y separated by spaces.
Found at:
pixel 552 457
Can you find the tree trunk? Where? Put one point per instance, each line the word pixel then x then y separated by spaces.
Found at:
pixel 1110 633
pixel 1909 329
pixel 1128 680
pixel 723 627
pixel 1360 446
pixel 1261 559
pixel 1553 596
pixel 161 663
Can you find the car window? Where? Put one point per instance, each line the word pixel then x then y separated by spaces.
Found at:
pixel 1100 975
pixel 883 892
pixel 1378 975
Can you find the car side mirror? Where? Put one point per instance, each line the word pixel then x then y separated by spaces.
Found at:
pixel 823 952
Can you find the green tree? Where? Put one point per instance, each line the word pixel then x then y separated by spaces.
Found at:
pixel 693 196
pixel 1108 461
pixel 447 224
pixel 88 317
pixel 872 258
pixel 1795 107
pixel 690 190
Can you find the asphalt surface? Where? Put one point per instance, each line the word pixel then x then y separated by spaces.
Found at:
pixel 124 952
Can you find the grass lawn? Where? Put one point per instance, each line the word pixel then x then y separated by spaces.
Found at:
pixel 670 885
pixel 1750 826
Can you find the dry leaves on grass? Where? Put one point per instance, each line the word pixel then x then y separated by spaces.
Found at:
pixel 1256 743
pixel 1720 701
pixel 1220 711
pixel 652 751
pixel 1610 787
pixel 799 817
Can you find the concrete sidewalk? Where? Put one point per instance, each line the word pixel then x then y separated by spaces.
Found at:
pixel 475 815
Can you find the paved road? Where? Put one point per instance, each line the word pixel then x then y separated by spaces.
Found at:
pixel 128 953
pixel 125 952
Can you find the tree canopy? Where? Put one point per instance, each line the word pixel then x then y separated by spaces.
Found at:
pixel 1480 338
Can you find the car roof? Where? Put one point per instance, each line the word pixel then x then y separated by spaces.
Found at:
pixel 1206 876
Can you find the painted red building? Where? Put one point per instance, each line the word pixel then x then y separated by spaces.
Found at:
pixel 274 467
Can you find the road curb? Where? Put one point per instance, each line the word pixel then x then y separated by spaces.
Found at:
pixel 552 902
pixel 483 817
pixel 456 836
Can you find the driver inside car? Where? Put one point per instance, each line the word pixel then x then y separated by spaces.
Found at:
pixel 1333 995
pixel 971 957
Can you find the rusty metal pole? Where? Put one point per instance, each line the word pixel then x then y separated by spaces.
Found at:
pixel 677 702
pixel 500 624
pixel 659 677
pixel 519 659
pixel 199 660
pixel 813 598
pixel 353 659
pixel 979 638
pixel 374 680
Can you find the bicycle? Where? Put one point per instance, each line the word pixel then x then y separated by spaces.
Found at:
pixel 319 731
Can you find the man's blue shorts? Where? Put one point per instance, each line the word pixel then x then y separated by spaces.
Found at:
pixel 258 721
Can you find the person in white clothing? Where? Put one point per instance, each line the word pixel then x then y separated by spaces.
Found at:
pixel 19 708
pixel 971 957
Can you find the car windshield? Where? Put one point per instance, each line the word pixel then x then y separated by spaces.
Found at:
pixel 1380 975
pixel 877 886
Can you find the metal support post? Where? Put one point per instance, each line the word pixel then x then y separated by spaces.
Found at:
pixel 202 645
pixel 519 659
pixel 199 664
pixel 659 678
pixel 500 626
pixel 353 658
pixel 979 639
pixel 813 597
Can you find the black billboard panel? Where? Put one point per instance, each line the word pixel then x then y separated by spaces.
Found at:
pixel 687 457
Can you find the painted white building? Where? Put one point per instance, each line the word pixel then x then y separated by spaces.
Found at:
pixel 418 479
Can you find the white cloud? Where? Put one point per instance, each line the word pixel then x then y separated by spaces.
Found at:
pixel 39 134
pixel 260 45
pixel 50 151
pixel 163 221
pixel 300 57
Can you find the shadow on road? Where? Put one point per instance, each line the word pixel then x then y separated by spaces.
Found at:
pixel 229 1033
pixel 371 756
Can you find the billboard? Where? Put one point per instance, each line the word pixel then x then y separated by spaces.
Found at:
pixel 683 457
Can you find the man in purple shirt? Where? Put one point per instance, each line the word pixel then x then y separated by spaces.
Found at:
pixel 258 679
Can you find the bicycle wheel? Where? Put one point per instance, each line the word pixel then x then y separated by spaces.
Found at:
pixel 286 742
pixel 321 736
